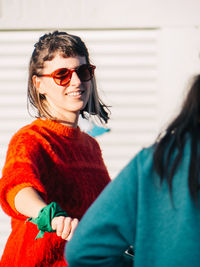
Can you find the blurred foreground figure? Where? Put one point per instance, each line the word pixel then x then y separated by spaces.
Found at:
pixel 153 205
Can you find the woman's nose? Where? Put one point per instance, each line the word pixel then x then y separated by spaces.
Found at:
pixel 75 80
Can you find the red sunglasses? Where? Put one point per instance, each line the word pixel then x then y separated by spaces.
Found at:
pixel 63 76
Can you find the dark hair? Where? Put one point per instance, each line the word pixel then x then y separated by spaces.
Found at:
pixel 186 123
pixel 45 49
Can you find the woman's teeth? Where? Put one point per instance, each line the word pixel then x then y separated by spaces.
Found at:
pixel 75 93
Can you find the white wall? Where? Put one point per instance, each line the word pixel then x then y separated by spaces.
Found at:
pixel 179 60
pixel 32 14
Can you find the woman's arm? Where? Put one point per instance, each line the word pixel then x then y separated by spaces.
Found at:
pixel 29 203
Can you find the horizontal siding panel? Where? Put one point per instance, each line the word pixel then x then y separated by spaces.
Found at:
pixel 128 139
pixel 21 49
pixel 132 113
pixel 13 86
pixel 89 36
pixel 12 113
pixel 123 36
pixel 125 62
pixel 139 86
pixel 116 165
pixel 16 74
pixel 5 136
pixel 135 129
pixel 120 152
pixel 134 99
pixel 18 100
pixel 127 74
pixel 9 125
pixel 21 37
pixel 14 62
pixel 138 49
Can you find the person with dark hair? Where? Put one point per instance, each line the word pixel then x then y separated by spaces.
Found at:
pixel 53 171
pixel 151 211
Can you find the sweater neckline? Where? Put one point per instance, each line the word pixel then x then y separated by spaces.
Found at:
pixel 59 128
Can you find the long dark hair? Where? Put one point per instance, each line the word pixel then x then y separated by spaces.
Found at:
pixel 187 122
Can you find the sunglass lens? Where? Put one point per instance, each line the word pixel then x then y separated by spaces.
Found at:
pixel 62 76
pixel 85 72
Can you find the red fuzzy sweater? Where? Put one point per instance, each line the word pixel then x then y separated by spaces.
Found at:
pixel 65 165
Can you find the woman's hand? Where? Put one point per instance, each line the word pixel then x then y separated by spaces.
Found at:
pixel 64 226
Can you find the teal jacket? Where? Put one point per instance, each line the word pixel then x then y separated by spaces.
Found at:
pixel 134 209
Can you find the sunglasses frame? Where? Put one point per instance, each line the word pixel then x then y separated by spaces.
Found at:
pixel 58 80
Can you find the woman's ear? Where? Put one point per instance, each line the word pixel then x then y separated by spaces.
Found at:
pixel 37 83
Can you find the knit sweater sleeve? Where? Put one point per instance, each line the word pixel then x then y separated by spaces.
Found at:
pixel 21 168
pixel 108 227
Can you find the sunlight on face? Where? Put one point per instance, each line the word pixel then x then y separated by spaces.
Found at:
pixel 64 102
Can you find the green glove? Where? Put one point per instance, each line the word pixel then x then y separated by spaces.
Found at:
pixel 43 221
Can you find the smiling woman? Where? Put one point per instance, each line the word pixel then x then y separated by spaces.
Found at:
pixel 53 171
pixel 64 95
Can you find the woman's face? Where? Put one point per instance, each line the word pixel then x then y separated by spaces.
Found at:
pixel 64 102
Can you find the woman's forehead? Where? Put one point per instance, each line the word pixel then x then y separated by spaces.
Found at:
pixel 60 61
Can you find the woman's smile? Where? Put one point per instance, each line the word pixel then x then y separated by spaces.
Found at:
pixel 75 94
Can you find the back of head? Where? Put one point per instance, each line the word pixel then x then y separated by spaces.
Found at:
pixel 187 123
